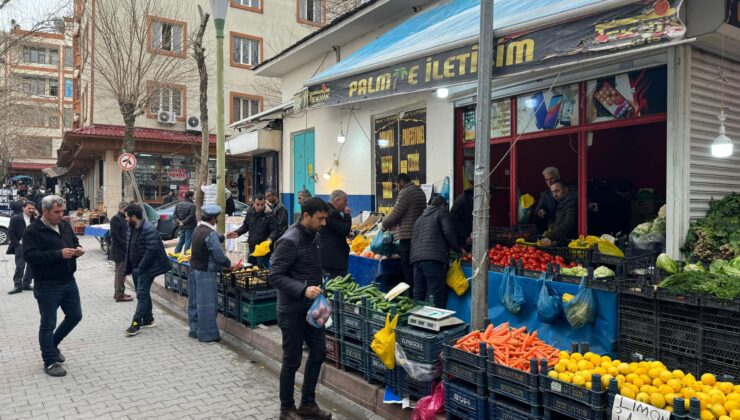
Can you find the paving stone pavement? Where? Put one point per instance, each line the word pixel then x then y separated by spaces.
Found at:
pixel 161 373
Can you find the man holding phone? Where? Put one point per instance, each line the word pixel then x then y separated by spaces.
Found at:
pixel 51 249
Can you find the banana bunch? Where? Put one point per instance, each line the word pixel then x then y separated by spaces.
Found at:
pixel 180 257
pixel 247 270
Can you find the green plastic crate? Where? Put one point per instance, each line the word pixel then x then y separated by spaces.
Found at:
pixel 257 313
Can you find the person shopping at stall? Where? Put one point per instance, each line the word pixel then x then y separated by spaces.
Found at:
pixel 279 214
pixel 433 237
pixel 410 204
pixel 185 217
pixel 260 226
pixel 207 259
pixel 565 227
pixel 297 275
pixel 461 215
pixel 546 209
pixel 333 237
pixel 303 195
pixel 22 277
pixel 118 246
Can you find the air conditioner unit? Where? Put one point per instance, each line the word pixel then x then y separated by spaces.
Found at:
pixel 166 117
pixel 193 123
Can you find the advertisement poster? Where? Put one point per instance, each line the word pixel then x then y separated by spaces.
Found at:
pixel 386 161
pixel 500 120
pixel 547 110
pixel 629 95
pixel 412 147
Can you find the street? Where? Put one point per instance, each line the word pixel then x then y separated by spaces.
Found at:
pixel 161 373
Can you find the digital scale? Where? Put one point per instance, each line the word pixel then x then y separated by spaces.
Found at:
pixel 431 318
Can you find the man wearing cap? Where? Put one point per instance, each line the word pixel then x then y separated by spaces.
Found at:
pixel 206 261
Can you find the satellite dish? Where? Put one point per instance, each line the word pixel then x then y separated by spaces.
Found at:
pixel 59 25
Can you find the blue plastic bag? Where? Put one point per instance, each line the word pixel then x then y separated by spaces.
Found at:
pixel 319 314
pixel 383 244
pixel 581 310
pixel 549 302
pixel 511 293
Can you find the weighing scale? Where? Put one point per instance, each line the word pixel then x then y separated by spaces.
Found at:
pixel 431 318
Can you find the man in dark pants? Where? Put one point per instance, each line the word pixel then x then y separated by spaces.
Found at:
pixel 296 274
pixel 51 248
pixel 462 217
pixel 185 216
pixel 146 259
pixel 118 247
pixel 18 223
pixel 433 238
pixel 333 237
pixel 279 214
pixel 410 203
pixel 260 226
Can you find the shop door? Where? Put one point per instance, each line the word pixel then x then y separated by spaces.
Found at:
pixel 303 165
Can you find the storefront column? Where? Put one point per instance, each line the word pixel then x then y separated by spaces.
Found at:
pixel 678 148
pixel 112 183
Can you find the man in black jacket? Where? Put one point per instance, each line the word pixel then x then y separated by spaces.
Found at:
pixel 118 246
pixel 462 217
pixel 185 217
pixel 51 248
pixel 565 227
pixel 146 259
pixel 333 237
pixel 260 226
pixel 23 276
pixel 296 274
pixel 430 252
pixel 279 214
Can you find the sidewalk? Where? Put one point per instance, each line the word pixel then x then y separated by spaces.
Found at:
pixel 161 373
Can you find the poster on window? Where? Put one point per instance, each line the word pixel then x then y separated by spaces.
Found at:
pixel 547 109
pixel 386 161
pixel 629 95
pixel 412 147
pixel 500 120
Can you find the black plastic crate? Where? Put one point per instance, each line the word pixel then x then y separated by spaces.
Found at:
pixel 608 284
pixel 250 280
pixel 502 408
pixel 504 235
pixel 185 270
pixel 176 284
pixel 220 302
pixel 371 328
pixel 532 274
pixel 636 304
pixel 572 409
pixel 681 361
pixel 463 403
pixel 692 299
pixel 475 361
pixel 168 280
pixel 335 318
pixel 529 379
pixel 578 255
pixel 528 232
pixel 710 301
pixel 352 326
pixel 515 390
pixel 175 267
pixel 637 326
pixel 253 313
pixel 376 372
pixel 678 312
pixel 632 351
pixel 184 282
pixel 637 285
pixel 333 349
pixel 353 356
pixel 720 347
pixel 721 320
pixel 636 259
pixel 232 306
pixel 379 316
pixel 413 388
pixel 604 259
pixel 474 378
pixel 595 398
pixel 425 346
pixel 718 368
pixel 678 337
pixel 564 278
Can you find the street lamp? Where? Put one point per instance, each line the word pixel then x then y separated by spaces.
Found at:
pixel 219 9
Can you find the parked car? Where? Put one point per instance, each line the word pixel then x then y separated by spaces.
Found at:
pixel 4 223
pixel 167 227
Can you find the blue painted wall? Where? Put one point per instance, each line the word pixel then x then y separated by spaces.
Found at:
pixel 357 203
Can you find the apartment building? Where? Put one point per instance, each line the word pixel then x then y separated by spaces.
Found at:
pixel 168 132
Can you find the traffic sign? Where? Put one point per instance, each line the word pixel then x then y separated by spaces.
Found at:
pixel 127 161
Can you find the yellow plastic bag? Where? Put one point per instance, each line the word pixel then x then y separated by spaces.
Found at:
pixel 359 243
pixel 384 342
pixel 456 279
pixel 261 250
pixel 608 248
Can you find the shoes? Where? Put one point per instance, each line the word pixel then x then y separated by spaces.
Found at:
pixel 133 329
pixel 60 357
pixel 148 324
pixel 55 369
pixel 124 298
pixel 312 411
pixel 15 290
pixel 29 287
pixel 192 334
pixel 290 414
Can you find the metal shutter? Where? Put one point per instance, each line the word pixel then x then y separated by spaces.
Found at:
pixel 712 177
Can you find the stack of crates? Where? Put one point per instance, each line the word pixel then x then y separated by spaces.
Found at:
pixel 465 382
pixel 249 298
pixel 375 369
pixel 637 326
pixel 720 331
pixel 679 339
pixel 352 352
pixel 515 391
pixel 172 278
pixel 333 343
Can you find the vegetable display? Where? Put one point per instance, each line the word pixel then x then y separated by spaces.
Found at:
pixel 722 280
pixel 665 263
pixel 716 236
pixel 603 271
pixel 531 257
pixel 511 347
pixel 353 293
pixel 577 271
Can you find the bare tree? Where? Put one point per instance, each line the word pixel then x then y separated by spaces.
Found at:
pixel 199 54
pixel 134 66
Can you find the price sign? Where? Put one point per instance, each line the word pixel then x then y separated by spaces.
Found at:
pixel 628 409
pixel 127 162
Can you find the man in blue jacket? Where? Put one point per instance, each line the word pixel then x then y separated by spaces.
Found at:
pixel 145 259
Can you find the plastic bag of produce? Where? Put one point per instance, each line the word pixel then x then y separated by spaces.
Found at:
pixel 646 241
pixel 384 342
pixel 359 243
pixel 665 263
pixel 319 314
pixel 419 371
pixel 581 310
pixel 428 407
pixel 456 279
pixel 383 244
pixel 511 293
pixel 549 303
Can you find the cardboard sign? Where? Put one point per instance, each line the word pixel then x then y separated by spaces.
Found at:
pixel 628 409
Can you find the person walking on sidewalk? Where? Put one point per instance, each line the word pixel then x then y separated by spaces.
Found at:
pixel 18 223
pixel 185 217
pixel 296 274
pixel 333 237
pixel 145 260
pixel 51 248
pixel 118 245
pixel 206 261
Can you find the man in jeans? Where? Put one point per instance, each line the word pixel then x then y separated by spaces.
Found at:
pixel 118 247
pixel 296 274
pixel 146 259
pixel 184 214
pixel 51 248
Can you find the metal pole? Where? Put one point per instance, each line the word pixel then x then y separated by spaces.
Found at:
pixel 479 307
pixel 220 142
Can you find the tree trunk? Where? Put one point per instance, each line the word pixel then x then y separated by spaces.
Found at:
pixel 199 53
pixel 129 123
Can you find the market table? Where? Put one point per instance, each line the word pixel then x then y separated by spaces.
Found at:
pixel 601 334
pixel 367 270
pixel 102 234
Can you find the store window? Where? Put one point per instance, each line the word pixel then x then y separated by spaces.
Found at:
pixel 246 50
pixel 167 36
pixel 252 5
pixel 547 110
pixel 158 174
pixel 167 98
pixel 311 11
pixel 500 120
pixel 628 95
pixel 68 57
pixel 244 106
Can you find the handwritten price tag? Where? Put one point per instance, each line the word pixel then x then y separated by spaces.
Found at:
pixel 628 409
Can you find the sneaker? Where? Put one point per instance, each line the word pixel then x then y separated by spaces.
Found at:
pixel 312 411
pixel 149 324
pixel 290 414
pixel 133 329
pixel 28 287
pixel 60 357
pixel 15 290
pixel 55 369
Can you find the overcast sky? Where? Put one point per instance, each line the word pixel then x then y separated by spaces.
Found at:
pixel 27 12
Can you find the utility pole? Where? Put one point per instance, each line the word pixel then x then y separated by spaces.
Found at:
pixel 479 306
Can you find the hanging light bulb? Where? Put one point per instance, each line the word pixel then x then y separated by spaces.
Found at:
pixel 327 174
pixel 442 93
pixel 341 138
pixel 722 146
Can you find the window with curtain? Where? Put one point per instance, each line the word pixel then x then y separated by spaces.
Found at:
pixel 166 36
pixel 68 57
pixel 54 56
pixel 246 50
pixel 53 87
pixel 312 10
pixel 255 4
pixel 243 107
pixel 168 99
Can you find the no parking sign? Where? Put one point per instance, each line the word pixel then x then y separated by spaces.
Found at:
pixel 127 161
